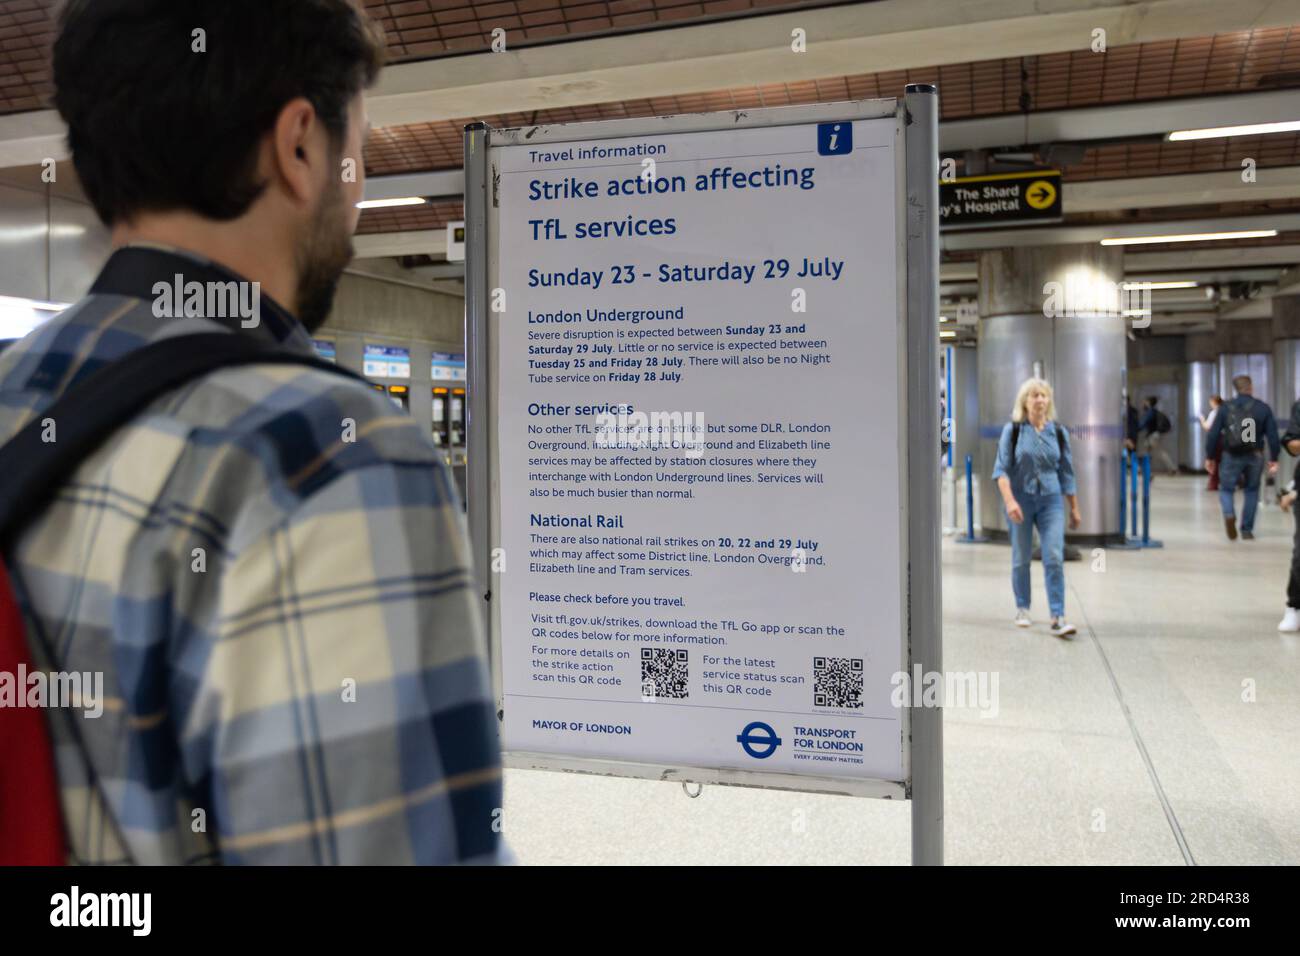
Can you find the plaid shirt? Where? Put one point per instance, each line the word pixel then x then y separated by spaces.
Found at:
pixel 294 664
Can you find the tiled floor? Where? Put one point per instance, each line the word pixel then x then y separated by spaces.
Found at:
pixel 1133 743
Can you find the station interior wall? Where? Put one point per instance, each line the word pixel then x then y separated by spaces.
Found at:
pixel 52 246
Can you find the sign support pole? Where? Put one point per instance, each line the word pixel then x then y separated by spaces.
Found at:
pixel 925 618
pixel 477 349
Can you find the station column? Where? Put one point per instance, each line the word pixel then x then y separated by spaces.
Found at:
pixel 1286 368
pixel 1054 311
pixel 1202 351
pixel 1246 348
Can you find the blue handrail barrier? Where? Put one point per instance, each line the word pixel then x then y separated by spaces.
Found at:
pixel 1130 466
pixel 969 537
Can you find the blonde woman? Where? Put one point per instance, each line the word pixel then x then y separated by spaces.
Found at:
pixel 1034 471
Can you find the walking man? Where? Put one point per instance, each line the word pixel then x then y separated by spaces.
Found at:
pixel 1245 423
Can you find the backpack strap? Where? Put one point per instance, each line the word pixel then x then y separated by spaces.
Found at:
pixel 1060 439
pixel 92 409
pixel 31 819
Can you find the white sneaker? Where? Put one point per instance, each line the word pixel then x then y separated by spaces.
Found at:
pixel 1061 628
pixel 1290 620
pixel 1022 617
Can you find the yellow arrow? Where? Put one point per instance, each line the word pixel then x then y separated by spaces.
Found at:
pixel 1040 194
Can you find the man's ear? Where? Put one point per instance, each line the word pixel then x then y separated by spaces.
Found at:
pixel 296 128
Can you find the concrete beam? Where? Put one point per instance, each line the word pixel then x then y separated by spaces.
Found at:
pixel 1148 192
pixel 1226 257
pixel 448 271
pixel 841 40
pixel 1117 120
pixel 1288 283
pixel 28 139
pixel 443 183
pixel 1207 275
pixel 1260 308
pixel 425 242
pixel 1061 235
pixel 959 271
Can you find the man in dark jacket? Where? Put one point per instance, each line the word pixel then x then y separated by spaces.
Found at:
pixel 1246 424
pixel 1153 424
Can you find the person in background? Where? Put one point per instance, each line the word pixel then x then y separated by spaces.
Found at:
pixel 1034 472
pixel 1130 425
pixel 1245 424
pixel 1153 424
pixel 1212 462
pixel 319 687
pixel 1291 440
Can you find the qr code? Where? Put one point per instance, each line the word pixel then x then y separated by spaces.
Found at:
pixel 837 682
pixel 664 673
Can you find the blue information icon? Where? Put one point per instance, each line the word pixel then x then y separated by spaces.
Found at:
pixel 834 139
pixel 759 740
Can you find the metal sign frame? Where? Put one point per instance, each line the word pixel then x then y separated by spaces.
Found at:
pixel 917 177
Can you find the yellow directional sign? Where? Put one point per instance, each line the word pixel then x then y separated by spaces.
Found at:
pixel 1026 197
pixel 1040 194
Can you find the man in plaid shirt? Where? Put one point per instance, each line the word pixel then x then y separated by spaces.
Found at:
pixel 269 566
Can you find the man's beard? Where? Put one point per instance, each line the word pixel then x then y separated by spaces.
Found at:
pixel 322 255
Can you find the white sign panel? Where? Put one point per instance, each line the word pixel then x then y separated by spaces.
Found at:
pixel 698 447
pixel 386 361
pixel 456 241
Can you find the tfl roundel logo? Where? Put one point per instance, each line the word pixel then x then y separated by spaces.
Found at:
pixel 759 740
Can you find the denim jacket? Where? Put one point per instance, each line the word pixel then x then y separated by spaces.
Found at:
pixel 1039 468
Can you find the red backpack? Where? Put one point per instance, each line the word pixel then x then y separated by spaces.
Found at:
pixel 31 831
pixel 31 470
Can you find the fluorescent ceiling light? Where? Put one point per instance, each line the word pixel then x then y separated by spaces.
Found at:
pixel 20 316
pixel 386 203
pixel 1252 129
pixel 9 301
pixel 1157 286
pixel 947 335
pixel 1190 237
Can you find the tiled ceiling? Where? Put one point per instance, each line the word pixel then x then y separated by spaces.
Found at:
pixel 434 215
pixel 1218 210
pixel 421 29
pixel 1195 156
pixel 26 32
pixel 415 29
pixel 1230 63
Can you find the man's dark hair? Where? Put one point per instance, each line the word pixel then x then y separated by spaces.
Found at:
pixel 1152 400
pixel 155 125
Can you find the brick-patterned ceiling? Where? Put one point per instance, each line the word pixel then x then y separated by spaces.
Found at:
pixel 26 32
pixel 434 215
pixel 1229 63
pixel 415 29
pixel 420 29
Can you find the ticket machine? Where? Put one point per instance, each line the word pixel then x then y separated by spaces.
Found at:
pixel 456 423
pixel 441 423
pixel 397 394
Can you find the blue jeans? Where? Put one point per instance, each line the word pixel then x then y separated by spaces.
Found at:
pixel 1231 468
pixel 1048 513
